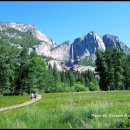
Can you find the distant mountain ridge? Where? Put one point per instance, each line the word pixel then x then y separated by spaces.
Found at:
pixel 76 54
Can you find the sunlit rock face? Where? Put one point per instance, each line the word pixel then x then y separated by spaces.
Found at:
pixel 62 52
pixel 68 54
pixel 112 41
pixel 46 44
pixel 87 45
pixel 56 63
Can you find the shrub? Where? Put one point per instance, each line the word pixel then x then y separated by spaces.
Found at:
pixel 93 85
pixel 61 87
pixel 79 87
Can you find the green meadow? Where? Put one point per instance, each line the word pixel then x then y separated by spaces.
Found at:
pixel 98 109
pixel 12 100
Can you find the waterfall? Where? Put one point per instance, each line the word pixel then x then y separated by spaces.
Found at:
pixel 72 55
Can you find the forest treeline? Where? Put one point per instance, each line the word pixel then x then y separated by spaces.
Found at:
pixel 22 72
pixel 113 68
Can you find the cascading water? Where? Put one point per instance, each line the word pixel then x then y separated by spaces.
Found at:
pixel 72 55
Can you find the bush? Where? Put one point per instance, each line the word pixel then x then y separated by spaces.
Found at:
pixel 93 85
pixel 79 87
pixel 61 87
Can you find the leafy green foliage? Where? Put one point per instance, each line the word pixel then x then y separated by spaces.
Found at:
pixel 20 72
pixel 8 66
pixel 93 86
pixel 79 87
pixel 17 37
pixel 113 68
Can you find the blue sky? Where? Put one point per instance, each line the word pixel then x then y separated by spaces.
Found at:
pixel 63 21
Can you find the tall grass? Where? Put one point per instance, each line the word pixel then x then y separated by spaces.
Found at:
pixel 12 100
pixel 72 110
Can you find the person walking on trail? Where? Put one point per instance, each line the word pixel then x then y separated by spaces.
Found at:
pixel 32 95
pixel 36 95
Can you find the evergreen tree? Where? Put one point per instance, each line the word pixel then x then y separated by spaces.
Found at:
pixel 8 62
pixel 127 72
pixel 83 79
pixel 36 73
pixel 63 78
pixel 22 71
pixel 101 69
pixel 110 68
pixel 118 59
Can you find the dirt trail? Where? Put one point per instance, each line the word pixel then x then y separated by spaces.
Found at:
pixel 21 105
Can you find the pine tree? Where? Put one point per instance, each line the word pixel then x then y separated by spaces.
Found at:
pixel 110 68
pixel 36 73
pixel 101 69
pixel 22 71
pixel 63 78
pixel 8 63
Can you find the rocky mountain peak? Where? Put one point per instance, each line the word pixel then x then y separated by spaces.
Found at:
pixel 68 54
pixel 18 26
pixel 94 37
pixel 92 33
pixel 67 42
pixel 112 41
pixel 28 28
